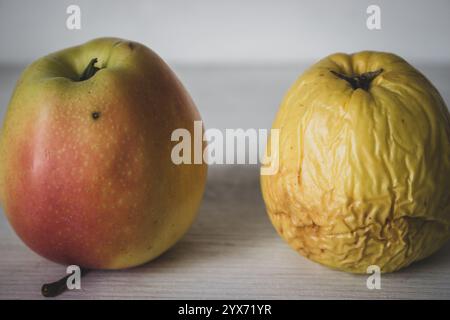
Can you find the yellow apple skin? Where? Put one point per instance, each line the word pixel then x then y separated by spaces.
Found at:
pixel 86 175
pixel 363 176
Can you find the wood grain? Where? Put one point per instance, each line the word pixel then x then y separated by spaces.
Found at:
pixel 231 252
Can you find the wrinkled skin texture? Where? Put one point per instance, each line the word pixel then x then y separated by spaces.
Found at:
pixel 363 176
pixel 100 193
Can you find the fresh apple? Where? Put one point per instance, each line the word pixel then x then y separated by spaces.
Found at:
pixel 86 175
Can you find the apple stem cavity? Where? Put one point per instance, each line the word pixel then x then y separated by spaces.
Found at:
pixel 90 70
pixel 54 289
pixel 359 81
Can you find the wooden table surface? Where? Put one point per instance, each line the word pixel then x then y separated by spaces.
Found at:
pixel 231 251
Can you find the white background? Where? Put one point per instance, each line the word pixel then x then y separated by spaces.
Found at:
pixel 231 31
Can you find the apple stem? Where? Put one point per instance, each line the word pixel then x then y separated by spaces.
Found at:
pixel 90 70
pixel 359 81
pixel 54 289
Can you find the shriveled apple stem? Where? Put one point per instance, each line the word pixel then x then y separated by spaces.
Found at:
pixel 90 70
pixel 56 288
pixel 359 81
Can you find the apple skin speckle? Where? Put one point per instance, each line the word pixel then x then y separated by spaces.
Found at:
pixel 86 191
